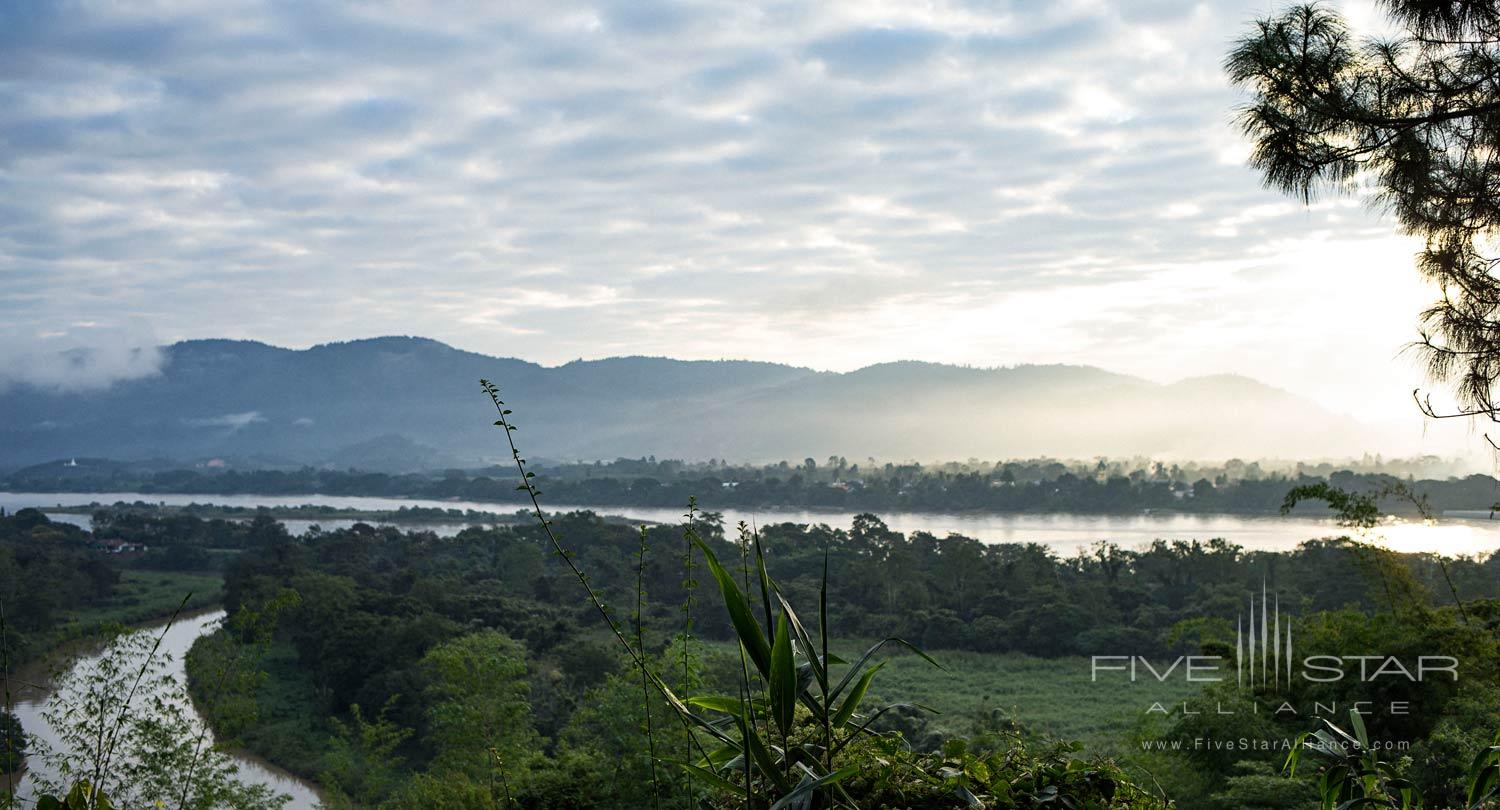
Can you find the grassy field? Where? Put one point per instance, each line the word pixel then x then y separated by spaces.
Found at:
pixel 1053 697
pixel 142 596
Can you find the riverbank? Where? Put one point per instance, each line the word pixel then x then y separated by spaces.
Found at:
pixel 42 679
pixel 1065 533
pixel 407 517
pixel 141 597
pixel 288 728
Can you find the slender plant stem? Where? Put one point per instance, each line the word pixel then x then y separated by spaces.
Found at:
pixel 1462 614
pixel 688 585
pixel 536 506
pixel 187 784
pixel 823 640
pixel 10 777
pixel 640 643
pixel 101 766
pixel 747 706
pixel 504 782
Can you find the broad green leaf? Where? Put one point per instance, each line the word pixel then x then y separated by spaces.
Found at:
pixel 752 638
pixel 783 677
pixel 811 782
pixel 1359 728
pixel 763 758
pixel 719 703
pixel 857 694
pixel 819 670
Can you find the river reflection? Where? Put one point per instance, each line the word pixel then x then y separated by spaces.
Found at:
pixel 1466 533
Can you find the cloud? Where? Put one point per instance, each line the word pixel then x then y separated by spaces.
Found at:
pixel 713 179
pixel 234 421
pixel 77 357
pixel 877 52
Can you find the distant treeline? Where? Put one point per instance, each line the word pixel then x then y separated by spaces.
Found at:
pixel 1029 486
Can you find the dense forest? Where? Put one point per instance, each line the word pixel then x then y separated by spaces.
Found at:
pixel 46 570
pixel 353 699
pixel 387 664
pixel 1040 485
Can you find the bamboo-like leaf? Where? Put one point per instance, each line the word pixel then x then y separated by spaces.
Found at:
pixel 682 709
pixel 857 694
pixel 711 779
pixel 763 758
pixel 865 726
pixel 752 638
pixel 783 677
pixel 765 579
pixel 819 669
pixel 1294 756
pixel 1359 728
pixel 718 703
pixel 856 668
pixel 823 621
pixel 811 783
pixel 719 757
pixel 1484 773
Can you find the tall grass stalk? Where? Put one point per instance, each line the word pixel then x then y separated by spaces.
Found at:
pixel 787 661
pixel 10 750
pixel 640 643
pixel 689 718
pixel 689 588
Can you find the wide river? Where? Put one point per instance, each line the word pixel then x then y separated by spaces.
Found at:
pixel 33 699
pixel 1454 533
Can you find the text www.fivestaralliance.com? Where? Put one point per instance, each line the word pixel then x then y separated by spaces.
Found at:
pixel 1250 744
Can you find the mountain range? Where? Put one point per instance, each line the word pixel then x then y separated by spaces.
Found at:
pixel 411 403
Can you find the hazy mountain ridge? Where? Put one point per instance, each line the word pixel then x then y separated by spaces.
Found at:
pixel 415 401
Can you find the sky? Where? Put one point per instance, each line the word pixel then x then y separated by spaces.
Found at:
pixel 828 184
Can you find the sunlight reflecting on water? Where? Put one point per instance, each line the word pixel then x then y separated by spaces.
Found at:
pixel 1452 537
pixel 1466 532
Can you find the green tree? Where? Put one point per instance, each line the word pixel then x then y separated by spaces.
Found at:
pixel 362 766
pixel 480 719
pixel 131 733
pixel 1415 119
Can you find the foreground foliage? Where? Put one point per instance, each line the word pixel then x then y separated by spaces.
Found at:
pixel 128 740
pixel 1412 119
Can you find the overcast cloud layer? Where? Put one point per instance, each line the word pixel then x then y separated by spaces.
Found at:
pixel 826 184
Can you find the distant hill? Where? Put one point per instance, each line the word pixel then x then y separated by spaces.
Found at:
pixel 401 402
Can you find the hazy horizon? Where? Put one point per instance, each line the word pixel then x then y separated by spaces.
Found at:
pixel 829 186
pixel 247 399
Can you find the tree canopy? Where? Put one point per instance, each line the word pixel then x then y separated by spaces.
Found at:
pixel 1413 122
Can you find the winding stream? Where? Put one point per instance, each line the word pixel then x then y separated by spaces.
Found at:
pixel 31 700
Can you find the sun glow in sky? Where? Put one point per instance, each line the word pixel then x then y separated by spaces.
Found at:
pixel 819 183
